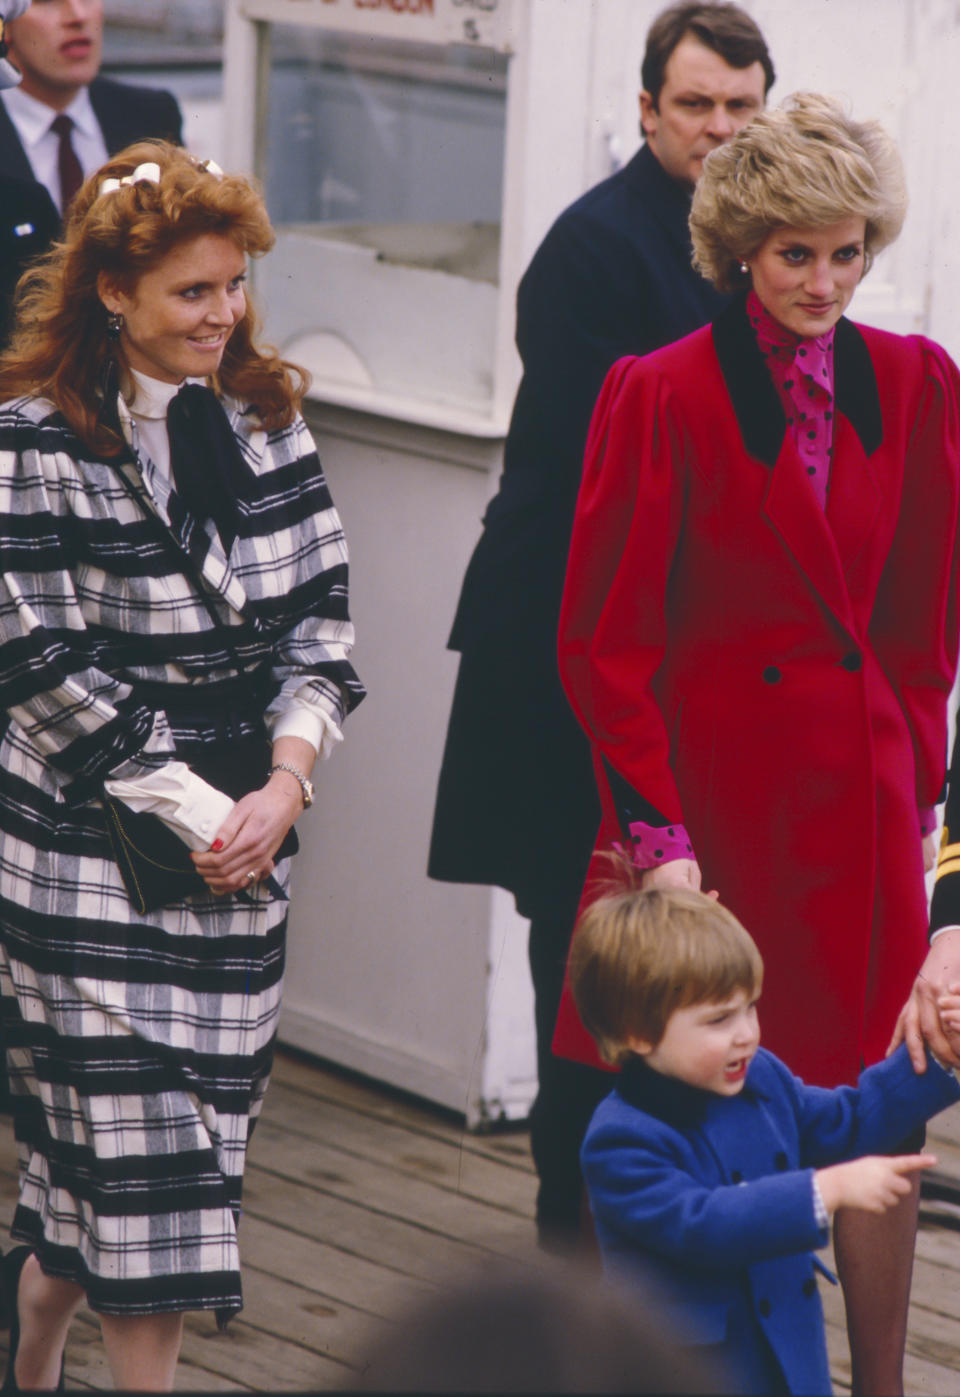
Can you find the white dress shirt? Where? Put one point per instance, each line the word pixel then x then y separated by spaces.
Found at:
pixel 33 121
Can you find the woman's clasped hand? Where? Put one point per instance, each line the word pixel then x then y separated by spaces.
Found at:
pixel 253 831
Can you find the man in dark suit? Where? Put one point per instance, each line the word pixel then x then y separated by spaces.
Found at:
pixel 57 45
pixel 517 804
pixel 28 218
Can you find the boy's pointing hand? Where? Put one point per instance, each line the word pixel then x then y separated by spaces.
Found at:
pixel 873 1184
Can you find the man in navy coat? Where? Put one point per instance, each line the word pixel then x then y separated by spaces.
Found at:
pixel 517 804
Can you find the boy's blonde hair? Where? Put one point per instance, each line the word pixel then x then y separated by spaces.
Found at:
pixel 637 956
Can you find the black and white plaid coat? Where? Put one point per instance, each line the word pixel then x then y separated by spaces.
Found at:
pixel 139 1047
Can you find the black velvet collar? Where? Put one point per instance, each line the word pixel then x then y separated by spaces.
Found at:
pixel 756 403
pixel 674 1102
pixel 670 1100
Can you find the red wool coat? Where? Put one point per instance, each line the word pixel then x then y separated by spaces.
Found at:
pixel 773 677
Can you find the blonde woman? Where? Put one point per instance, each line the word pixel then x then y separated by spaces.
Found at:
pixel 759 629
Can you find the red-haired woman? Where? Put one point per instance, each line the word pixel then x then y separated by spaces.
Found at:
pixel 173 612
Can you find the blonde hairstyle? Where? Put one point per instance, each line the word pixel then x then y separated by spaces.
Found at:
pixel 637 956
pixel 60 348
pixel 806 164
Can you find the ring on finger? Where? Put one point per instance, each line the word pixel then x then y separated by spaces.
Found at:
pixel 251 877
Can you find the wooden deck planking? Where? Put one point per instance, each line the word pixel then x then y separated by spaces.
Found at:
pixel 446 1160
pixel 360 1202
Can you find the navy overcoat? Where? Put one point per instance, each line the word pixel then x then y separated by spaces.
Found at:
pixel 517 804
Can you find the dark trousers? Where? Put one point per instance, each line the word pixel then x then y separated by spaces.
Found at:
pixel 568 1095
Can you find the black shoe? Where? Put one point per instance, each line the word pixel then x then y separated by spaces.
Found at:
pixel 11 1267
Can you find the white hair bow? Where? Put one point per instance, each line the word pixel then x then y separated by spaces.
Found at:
pixel 148 173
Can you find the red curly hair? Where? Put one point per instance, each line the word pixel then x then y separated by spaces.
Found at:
pixel 60 348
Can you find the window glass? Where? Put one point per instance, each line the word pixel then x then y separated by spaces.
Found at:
pixel 362 131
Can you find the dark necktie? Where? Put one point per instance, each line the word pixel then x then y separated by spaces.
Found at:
pixel 209 472
pixel 71 171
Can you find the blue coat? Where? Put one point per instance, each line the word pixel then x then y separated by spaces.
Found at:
pixel 708 1202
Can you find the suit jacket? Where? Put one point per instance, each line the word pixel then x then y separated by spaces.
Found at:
pixel 772 675
pixel 707 1201
pixel 29 222
pixel 126 113
pixel 517 803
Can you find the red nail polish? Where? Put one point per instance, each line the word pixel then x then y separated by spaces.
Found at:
pixel 216 846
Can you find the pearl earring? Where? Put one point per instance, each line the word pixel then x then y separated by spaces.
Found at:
pixel 114 325
pixel 744 269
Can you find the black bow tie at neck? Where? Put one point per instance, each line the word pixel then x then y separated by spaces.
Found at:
pixel 209 472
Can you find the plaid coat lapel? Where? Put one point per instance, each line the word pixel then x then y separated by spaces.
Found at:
pixel 197 539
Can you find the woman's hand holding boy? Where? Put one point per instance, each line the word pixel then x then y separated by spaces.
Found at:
pixel 676 873
pixel 920 1024
pixel 948 1008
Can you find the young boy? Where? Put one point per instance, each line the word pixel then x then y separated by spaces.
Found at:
pixel 713 1171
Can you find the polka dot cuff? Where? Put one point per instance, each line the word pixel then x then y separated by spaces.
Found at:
pixel 655 844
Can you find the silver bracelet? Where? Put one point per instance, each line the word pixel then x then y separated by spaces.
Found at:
pixel 306 785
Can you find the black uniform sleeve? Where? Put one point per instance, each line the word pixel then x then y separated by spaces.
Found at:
pixel 945 906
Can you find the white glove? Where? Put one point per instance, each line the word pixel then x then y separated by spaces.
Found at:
pixel 9 9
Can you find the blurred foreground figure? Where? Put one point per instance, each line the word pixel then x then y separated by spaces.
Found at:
pixel 562 1330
